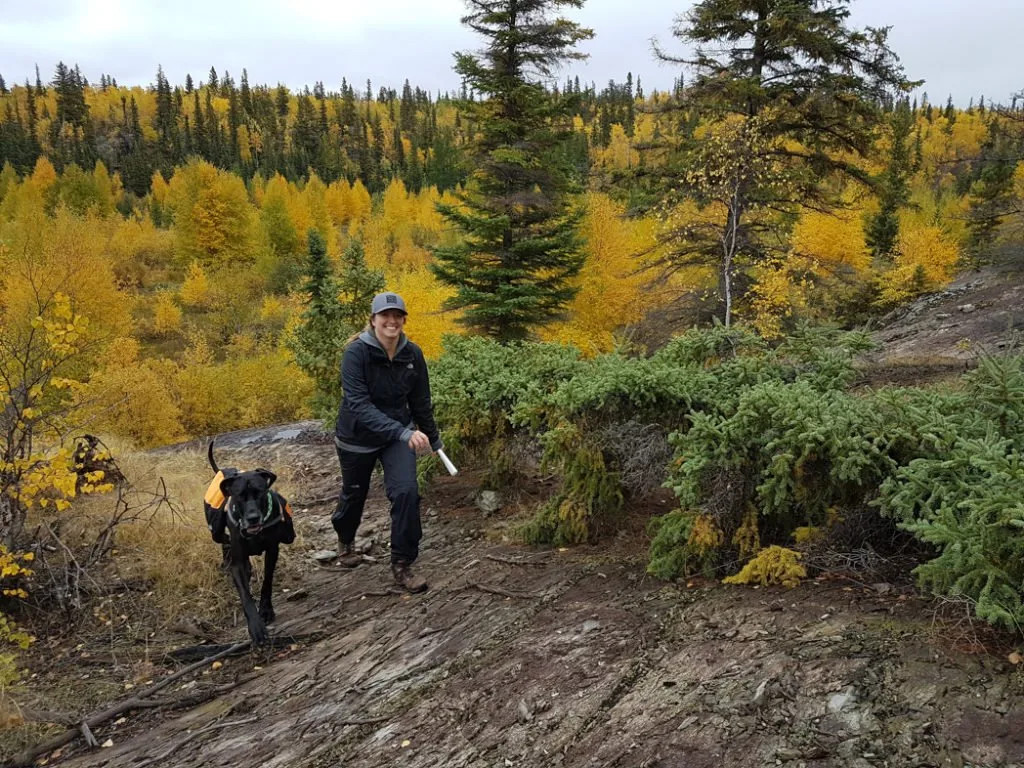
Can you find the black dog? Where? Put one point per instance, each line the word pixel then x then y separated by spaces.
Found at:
pixel 247 518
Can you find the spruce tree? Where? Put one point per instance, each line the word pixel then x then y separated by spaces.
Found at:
pixel 992 195
pixel 894 187
pixel 3 86
pixel 335 309
pixel 789 85
pixel 513 271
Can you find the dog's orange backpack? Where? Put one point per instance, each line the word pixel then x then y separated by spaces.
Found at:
pixel 214 495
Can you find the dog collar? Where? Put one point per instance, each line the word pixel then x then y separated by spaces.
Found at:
pixel 268 519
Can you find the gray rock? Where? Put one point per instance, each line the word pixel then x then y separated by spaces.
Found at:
pixel 848 749
pixel 590 625
pixel 837 702
pixel 525 713
pixel 324 555
pixel 966 308
pixel 759 694
pixel 362 546
pixel 489 502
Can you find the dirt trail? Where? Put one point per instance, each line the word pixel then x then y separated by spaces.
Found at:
pixel 521 657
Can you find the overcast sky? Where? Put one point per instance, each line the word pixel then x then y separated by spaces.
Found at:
pixel 960 47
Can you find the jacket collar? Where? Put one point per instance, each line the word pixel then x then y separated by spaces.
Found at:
pixel 370 339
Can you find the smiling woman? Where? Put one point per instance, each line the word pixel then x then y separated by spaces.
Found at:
pixel 386 415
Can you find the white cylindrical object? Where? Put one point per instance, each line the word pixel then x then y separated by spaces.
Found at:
pixel 447 463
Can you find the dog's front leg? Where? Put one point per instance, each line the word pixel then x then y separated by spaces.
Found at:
pixel 267 590
pixel 241 573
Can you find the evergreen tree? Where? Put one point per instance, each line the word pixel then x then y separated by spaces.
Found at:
pixel 200 140
pixel 246 94
pixel 3 86
pixel 166 124
pixel 138 167
pixel 894 186
pixel 513 271
pixel 189 85
pixel 992 196
pixel 785 85
pixel 407 109
pixel 950 112
pixel 335 309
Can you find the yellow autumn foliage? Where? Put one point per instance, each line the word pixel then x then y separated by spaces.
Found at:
pixel 827 260
pixel 611 288
pixel 428 322
pixel 772 566
pixel 195 290
pixel 212 215
pixel 925 259
pixel 166 314
pixel 132 398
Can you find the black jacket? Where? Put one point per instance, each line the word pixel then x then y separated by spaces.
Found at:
pixel 383 399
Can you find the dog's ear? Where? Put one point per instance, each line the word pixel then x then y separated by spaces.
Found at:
pixel 228 485
pixel 267 475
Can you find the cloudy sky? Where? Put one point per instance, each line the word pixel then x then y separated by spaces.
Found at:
pixel 960 47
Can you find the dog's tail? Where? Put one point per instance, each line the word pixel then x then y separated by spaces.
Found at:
pixel 209 455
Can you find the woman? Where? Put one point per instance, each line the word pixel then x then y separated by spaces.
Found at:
pixel 386 416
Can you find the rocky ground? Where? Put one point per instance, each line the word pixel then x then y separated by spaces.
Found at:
pixel 527 657
pixel 940 335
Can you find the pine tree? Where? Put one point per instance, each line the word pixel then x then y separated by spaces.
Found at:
pixel 200 140
pixel 992 196
pixel 894 186
pixel 407 110
pixel 3 86
pixel 246 94
pixel 786 81
pixel 166 124
pixel 189 85
pixel 335 309
pixel 513 272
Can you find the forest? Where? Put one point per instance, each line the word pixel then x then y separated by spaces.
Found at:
pixel 581 261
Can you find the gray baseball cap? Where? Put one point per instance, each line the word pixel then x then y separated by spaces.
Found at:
pixel 386 301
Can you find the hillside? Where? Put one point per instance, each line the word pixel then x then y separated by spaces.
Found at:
pixel 554 657
pixel 942 333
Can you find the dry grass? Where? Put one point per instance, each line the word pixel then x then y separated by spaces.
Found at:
pixel 171 547
pixel 167 545
pixel 161 540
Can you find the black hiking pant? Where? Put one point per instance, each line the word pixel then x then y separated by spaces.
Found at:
pixel 399 462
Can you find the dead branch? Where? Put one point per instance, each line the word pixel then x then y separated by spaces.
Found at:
pixel 98 718
pixel 90 740
pixel 515 561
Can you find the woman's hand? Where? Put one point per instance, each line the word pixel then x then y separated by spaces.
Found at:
pixel 419 442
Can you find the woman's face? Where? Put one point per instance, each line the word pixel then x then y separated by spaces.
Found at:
pixel 388 324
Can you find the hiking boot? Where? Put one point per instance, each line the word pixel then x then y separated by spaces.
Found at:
pixel 348 557
pixel 406 579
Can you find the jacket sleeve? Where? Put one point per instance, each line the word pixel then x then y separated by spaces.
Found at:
pixel 421 406
pixel 357 396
